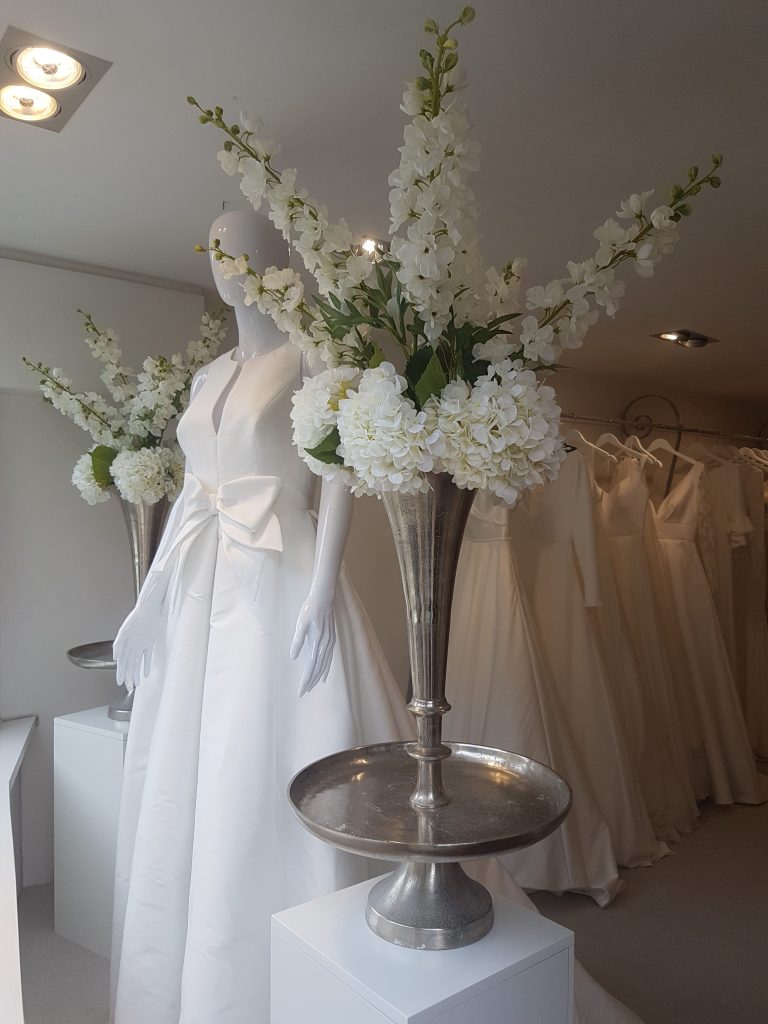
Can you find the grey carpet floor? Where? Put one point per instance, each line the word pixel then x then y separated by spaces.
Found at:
pixel 686 943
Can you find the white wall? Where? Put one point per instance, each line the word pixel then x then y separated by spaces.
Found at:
pixel 65 574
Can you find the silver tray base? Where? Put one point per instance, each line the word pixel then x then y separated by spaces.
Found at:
pixel 429 906
pixel 359 801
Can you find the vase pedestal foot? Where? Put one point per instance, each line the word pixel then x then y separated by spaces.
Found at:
pixel 120 711
pixel 429 906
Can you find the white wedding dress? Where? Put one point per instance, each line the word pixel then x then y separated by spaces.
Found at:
pixel 553 535
pixel 208 846
pixel 751 623
pixel 501 695
pixel 682 523
pixel 624 511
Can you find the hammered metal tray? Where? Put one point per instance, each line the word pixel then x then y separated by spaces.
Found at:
pixel 95 655
pixel 358 800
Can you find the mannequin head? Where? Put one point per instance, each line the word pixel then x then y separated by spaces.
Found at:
pixel 246 231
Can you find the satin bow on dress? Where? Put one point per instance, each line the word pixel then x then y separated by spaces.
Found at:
pixel 248 525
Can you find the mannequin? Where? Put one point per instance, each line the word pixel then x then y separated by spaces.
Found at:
pixel 315 628
pixel 246 610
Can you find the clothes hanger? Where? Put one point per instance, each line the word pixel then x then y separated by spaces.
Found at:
pixel 633 441
pixel 611 439
pixel 704 454
pixel 575 437
pixel 662 444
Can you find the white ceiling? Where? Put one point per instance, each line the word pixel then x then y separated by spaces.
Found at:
pixel 577 104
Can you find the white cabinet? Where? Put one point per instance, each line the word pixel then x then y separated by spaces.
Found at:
pixel 88 772
pixel 329 967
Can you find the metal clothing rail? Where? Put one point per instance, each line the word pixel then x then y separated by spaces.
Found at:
pixel 643 425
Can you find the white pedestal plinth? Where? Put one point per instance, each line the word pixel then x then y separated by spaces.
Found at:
pixel 329 968
pixel 88 751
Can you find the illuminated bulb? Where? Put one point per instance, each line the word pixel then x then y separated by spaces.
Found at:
pixel 369 246
pixel 670 336
pixel 26 104
pixel 51 69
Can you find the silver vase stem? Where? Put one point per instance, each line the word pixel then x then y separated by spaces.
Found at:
pixel 427 530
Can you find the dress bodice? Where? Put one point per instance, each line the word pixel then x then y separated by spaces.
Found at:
pixel 677 516
pixel 624 506
pixel 254 436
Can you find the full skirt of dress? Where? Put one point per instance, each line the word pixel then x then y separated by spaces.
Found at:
pixel 208 846
pixel 501 696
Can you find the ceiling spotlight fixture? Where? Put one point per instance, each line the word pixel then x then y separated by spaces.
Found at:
pixel 27 104
pixel 48 68
pixel 43 82
pixel 686 338
pixel 373 248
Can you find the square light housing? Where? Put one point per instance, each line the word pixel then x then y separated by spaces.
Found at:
pixel 67 97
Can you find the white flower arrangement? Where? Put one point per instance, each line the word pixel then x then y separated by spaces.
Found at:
pixel 131 451
pixel 467 398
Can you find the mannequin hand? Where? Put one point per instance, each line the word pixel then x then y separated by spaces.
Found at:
pixel 136 639
pixel 316 625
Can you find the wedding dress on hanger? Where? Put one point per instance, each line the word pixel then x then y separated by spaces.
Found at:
pixel 627 620
pixel 749 572
pixel 682 522
pixel 501 696
pixel 731 528
pixel 208 845
pixel 553 535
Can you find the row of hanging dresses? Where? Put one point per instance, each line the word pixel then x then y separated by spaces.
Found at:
pixel 585 635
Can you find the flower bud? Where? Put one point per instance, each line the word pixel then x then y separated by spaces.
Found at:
pixel 451 61
pixel 219 111
pixel 451 44
pixel 693 173
pixel 191 101
pixel 235 129
pixel 717 159
pixel 467 15
pixel 684 210
pixel 204 119
pixel 228 146
pixel 200 248
pixel 715 181
pixel 423 84
pixel 430 25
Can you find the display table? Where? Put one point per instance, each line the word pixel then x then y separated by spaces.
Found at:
pixel 88 752
pixel 329 967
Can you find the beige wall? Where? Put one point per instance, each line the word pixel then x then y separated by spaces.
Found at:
pixel 65 574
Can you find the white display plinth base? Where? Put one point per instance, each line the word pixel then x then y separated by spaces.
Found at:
pixel 88 752
pixel 329 968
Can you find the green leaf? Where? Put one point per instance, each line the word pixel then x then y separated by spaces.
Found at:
pixel 102 458
pixel 377 358
pixel 326 450
pixel 431 382
pixel 417 364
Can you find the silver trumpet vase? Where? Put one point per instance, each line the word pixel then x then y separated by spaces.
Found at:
pixel 145 524
pixel 429 804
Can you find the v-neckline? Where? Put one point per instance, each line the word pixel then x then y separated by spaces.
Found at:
pixel 234 376
pixel 658 510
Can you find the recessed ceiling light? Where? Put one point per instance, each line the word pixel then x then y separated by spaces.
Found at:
pixel 54 75
pixel 27 104
pixel 48 68
pixel 686 338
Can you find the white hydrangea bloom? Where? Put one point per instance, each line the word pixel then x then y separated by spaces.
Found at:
pixel 500 435
pixel 85 482
pixel 384 439
pixel 148 474
pixel 314 415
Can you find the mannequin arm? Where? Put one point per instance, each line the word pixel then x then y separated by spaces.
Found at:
pixel 316 626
